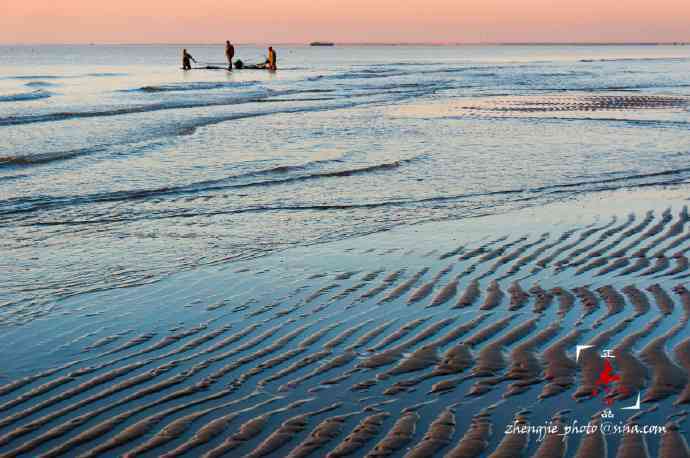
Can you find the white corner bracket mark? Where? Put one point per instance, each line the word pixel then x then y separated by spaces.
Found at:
pixel 637 406
pixel 579 349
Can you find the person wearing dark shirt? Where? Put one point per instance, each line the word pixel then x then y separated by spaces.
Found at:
pixel 186 57
pixel 229 53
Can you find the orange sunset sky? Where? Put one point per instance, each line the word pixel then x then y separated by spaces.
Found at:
pixel 293 21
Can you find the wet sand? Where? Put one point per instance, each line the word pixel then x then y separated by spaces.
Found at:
pixel 418 343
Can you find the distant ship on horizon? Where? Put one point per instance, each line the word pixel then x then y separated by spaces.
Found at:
pixel 321 43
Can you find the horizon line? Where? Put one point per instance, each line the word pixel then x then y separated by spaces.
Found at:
pixel 382 43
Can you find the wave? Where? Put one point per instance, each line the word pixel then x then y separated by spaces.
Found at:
pixel 521 195
pixel 15 206
pixel 362 74
pixel 486 71
pixel 656 123
pixel 105 74
pixel 255 96
pixel 638 59
pixel 13 177
pixel 613 88
pixel 402 64
pixel 416 86
pixel 559 74
pixel 259 95
pixel 535 192
pixel 384 72
pixel 194 86
pixel 636 87
pixel 34 77
pixel 56 77
pixel 177 129
pixel 42 158
pixel 40 84
pixel 26 96
pixel 190 127
pixel 484 74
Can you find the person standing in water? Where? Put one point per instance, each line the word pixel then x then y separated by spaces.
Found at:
pixel 229 53
pixel 186 57
pixel 272 62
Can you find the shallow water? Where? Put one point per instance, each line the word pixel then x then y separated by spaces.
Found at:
pixel 116 168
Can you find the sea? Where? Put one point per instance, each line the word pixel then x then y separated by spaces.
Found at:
pixel 117 168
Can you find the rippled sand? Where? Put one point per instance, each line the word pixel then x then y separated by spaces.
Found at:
pixel 422 342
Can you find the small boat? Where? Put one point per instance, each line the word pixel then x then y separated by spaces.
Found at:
pixel 321 43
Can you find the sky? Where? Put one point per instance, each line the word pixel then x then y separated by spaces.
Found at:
pixel 368 21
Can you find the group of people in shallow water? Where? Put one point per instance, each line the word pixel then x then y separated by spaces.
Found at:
pixel 271 62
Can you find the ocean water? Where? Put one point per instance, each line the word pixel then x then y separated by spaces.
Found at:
pixel 117 168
